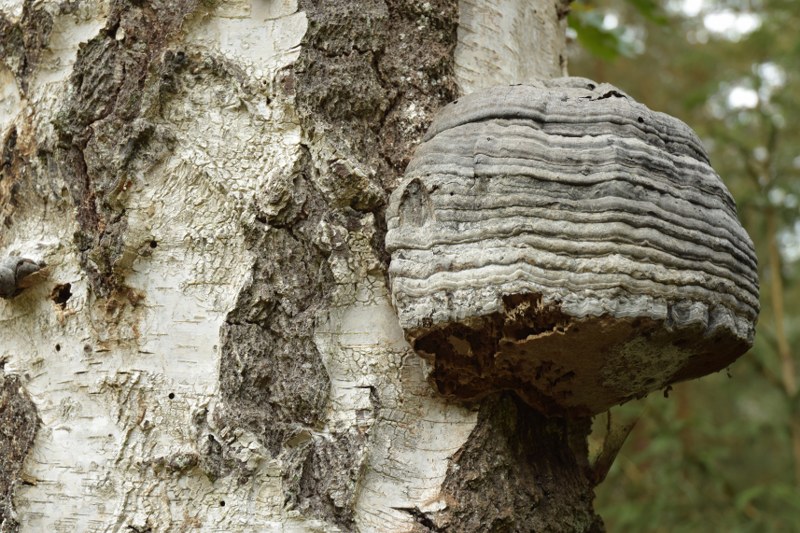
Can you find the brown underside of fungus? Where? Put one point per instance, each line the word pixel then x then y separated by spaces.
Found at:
pixel 565 242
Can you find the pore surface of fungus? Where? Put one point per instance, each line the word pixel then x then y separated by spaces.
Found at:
pixel 566 242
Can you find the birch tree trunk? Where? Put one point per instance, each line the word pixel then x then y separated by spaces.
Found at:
pixel 214 347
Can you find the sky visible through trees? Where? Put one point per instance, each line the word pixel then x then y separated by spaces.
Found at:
pixel 721 453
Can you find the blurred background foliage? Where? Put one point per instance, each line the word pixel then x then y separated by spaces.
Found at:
pixel 721 453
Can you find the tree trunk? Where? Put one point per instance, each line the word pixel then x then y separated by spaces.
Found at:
pixel 213 347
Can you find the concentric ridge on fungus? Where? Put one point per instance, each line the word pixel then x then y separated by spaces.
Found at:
pixel 566 242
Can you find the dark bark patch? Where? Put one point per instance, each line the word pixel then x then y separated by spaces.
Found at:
pixel 519 471
pixel 271 374
pixel 374 72
pixel 22 42
pixel 418 62
pixel 15 170
pixel 18 424
pixel 320 476
pixel 272 378
pixel 370 75
pixel 212 456
pixel 104 124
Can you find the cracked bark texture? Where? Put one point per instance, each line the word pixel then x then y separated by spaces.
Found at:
pixel 214 347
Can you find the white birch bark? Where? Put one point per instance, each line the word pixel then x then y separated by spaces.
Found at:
pixel 127 384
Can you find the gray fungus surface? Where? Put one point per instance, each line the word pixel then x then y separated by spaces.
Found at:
pixel 17 274
pixel 564 241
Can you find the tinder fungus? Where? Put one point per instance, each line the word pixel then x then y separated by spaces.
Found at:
pixel 17 274
pixel 565 242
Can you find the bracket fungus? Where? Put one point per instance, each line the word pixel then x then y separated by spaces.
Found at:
pixel 565 242
pixel 17 274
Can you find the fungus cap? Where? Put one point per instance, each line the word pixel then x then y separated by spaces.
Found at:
pixel 561 240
